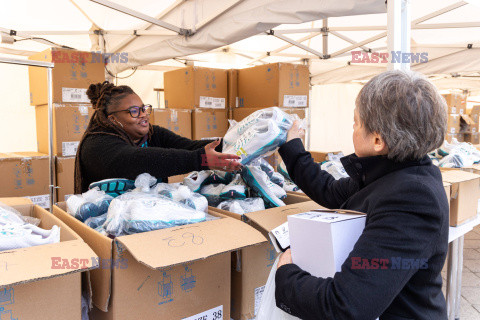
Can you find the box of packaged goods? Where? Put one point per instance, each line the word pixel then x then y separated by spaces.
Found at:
pixel 458 136
pixel 456 103
pixel 178 121
pixel 209 123
pixel 232 82
pixel 65 169
pixel 69 123
pixel 25 174
pixel 251 266
pixel 42 281
pixel 473 138
pixel 464 194
pixel 474 114
pixel 276 84
pixel 468 125
pixel 73 72
pixel 240 113
pixel 453 123
pixel 196 87
pixel 181 272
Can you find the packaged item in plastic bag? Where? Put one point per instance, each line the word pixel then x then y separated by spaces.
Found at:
pixel 9 215
pixel 268 309
pixel 242 206
pixel 135 212
pixel 96 222
pixel 92 203
pixel 144 182
pixel 335 168
pixel 212 193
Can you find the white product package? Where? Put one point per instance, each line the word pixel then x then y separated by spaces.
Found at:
pixel 457 154
pixel 268 309
pixel 243 206
pixel 335 168
pixel 259 134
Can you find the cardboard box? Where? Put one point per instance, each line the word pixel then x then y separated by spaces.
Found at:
pixel 69 123
pixel 251 266
pixel 178 121
pixel 73 73
pixel 474 113
pixel 25 174
pixel 321 240
pixel 171 273
pixel 456 103
pixel 321 156
pixel 472 138
pixel 276 84
pixel 240 113
pixel 453 123
pixel 467 125
pixel 65 167
pixel 464 195
pixel 448 187
pixel 232 82
pixel 458 136
pixel 209 123
pixel 44 282
pixel 196 87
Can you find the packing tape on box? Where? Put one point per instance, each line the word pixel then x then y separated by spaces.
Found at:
pixel 173 115
pixel 454 191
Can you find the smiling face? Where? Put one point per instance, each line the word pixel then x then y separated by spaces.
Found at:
pixel 136 128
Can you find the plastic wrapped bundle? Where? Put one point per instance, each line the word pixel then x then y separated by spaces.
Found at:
pixel 92 203
pixel 242 206
pixel 212 193
pixel 335 168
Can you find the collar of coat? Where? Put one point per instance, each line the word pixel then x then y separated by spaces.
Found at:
pixel 365 170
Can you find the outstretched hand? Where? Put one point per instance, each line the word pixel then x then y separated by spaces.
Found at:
pixel 295 131
pixel 220 161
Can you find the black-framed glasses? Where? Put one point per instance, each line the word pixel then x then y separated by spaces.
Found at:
pixel 135 110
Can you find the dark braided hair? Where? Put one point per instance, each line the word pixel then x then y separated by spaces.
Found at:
pixel 103 97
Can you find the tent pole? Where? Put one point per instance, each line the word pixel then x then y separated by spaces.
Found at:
pixel 298 44
pixel 398 33
pixel 53 184
pixel 325 38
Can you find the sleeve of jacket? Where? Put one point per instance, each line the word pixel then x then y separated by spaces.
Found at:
pixel 168 139
pixel 105 155
pixel 360 292
pixel 318 184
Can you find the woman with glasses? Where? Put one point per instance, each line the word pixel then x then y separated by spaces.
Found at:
pixel 121 143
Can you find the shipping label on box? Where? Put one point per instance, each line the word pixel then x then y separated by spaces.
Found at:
pixel 42 200
pixel 75 95
pixel 295 101
pixel 212 102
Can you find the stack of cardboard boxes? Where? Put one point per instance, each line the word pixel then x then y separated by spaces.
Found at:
pixel 460 125
pixel 74 71
pixel 473 136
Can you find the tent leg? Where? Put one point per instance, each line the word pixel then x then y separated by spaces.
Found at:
pixel 398 33
pixel 52 184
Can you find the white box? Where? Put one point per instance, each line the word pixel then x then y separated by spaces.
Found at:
pixel 321 240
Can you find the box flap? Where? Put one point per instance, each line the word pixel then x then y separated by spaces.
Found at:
pixel 16 201
pixel 329 216
pixel 266 221
pixel 172 246
pixel 467 119
pixel 46 261
pixel 456 176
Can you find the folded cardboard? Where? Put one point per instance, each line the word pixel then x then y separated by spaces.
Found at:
pixel 43 282
pixel 69 123
pixel 209 123
pixel 232 82
pixel 240 113
pixel 25 174
pixel 196 87
pixel 453 123
pixel 276 84
pixel 474 113
pixel 473 138
pixel 171 273
pixel 456 103
pixel 467 125
pixel 178 121
pixel 464 194
pixel 321 240
pixel 65 169
pixel 73 72
pixel 251 266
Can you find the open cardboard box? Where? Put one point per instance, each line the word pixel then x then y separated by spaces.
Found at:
pixel 43 282
pixel 464 194
pixel 251 266
pixel 172 273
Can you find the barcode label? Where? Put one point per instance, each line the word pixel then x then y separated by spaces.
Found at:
pixel 212 314
pixel 452 130
pixel 69 148
pixel 83 110
pixel 212 102
pixel 294 101
pixel 258 297
pixel 74 95
pixel 42 200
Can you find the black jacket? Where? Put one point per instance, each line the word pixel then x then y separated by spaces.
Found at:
pixel 407 223
pixel 105 156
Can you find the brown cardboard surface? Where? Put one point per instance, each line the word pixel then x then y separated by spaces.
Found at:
pixel 447 186
pixel 468 125
pixel 453 123
pixel 268 85
pixel 73 69
pixel 458 136
pixel 53 299
pixel 232 82
pixel 472 138
pixel 189 243
pixel 24 174
pixel 102 246
pixel 17 266
pixel 320 156
pixel 464 195
pixel 209 123
pixel 456 103
pixel 65 167
pixel 184 87
pixel 69 123
pixel 474 113
pixel 178 121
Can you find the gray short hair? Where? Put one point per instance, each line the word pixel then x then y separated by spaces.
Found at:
pixel 406 110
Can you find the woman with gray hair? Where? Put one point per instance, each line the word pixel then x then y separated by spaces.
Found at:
pixel 399 118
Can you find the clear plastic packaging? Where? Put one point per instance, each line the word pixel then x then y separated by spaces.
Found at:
pixel 9 215
pixel 144 182
pixel 335 168
pixel 92 203
pixel 242 206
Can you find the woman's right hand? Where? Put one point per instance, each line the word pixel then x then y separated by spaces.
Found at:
pixel 295 131
pixel 220 161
